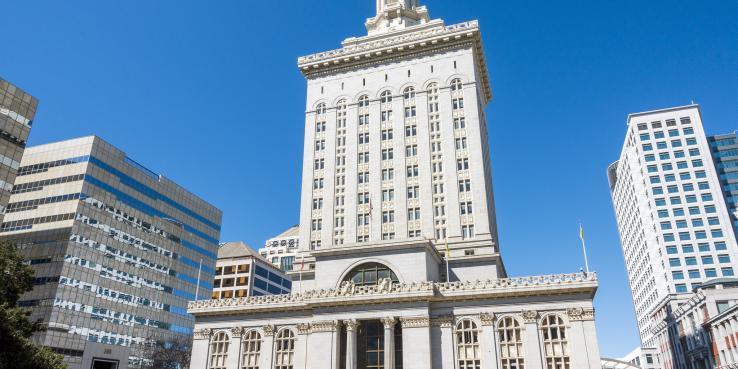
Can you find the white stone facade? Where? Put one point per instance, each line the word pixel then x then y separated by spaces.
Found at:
pixel 398 228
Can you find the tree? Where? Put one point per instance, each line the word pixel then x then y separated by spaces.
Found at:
pixel 174 353
pixel 16 349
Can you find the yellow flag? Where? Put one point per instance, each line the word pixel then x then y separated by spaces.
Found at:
pixel 581 232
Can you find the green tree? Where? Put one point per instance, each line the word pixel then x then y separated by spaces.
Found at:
pixel 16 349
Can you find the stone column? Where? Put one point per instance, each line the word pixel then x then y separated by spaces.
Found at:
pixel 389 342
pixel 416 343
pixel 234 348
pixel 351 354
pixel 531 341
pixel 301 346
pixel 267 348
pixel 583 349
pixel 488 340
pixel 200 349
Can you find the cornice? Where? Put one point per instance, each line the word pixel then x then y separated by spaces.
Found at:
pixel 408 42
pixel 503 288
pixel 415 322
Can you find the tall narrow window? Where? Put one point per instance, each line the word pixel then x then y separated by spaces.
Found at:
pixel 284 350
pixel 251 349
pixel 510 337
pixel 555 345
pixel 219 351
pixel 467 345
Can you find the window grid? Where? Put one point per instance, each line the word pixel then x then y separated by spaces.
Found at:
pixel 467 345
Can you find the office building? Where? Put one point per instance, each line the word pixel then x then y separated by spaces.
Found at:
pixel 697 330
pixel 675 226
pixel 116 250
pixel 242 272
pixel 725 156
pixel 17 110
pixel 644 358
pixel 282 249
pixel 397 164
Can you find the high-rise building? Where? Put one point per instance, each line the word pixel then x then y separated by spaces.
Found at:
pixel 242 272
pixel 282 250
pixel 675 226
pixel 17 110
pixel 398 226
pixel 116 250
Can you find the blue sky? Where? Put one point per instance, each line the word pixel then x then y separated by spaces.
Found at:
pixel 208 93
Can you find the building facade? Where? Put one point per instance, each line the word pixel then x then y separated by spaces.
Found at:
pixel 116 250
pixel 725 156
pixel 644 358
pixel 241 272
pixel 398 226
pixel 697 330
pixel 17 110
pixel 282 250
pixel 675 227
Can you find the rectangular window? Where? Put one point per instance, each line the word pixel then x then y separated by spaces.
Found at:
pixel 679 154
pixel 687 249
pixel 691 141
pixel 650 158
pixel 672 189
pixel 659 145
pixel 412 171
pixel 680 288
pixel 710 209
pixel 676 143
pixel 664 156
pixel 727 272
pixel 669 178
pixel 677 275
pixel 682 165
pixel 697 222
pixel 684 236
pixel 690 260
pixel 694 210
pixel 674 262
pixel 694 274
pixel 704 247
pixel 645 137
pixel 658 191
pixel 684 176
pixel 688 131
pixel 663 213
pixel 720 246
pixel 678 212
pixel 665 225
pixel 675 200
pixel 723 259
pixel 700 235
pixel 710 273
pixel 688 187
pixel 706 197
pixel 706 260
pixel 681 224
pixel 668 237
pixel 671 250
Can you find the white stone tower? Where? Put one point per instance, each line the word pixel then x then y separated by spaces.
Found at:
pixel 396 145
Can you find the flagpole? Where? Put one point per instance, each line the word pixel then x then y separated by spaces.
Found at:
pixel 448 268
pixel 584 248
pixel 197 289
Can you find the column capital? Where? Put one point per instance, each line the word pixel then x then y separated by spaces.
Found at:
pixel 415 322
pixel 303 328
pixel 487 319
pixel 237 332
pixel 576 314
pixel 530 316
pixel 268 330
pixel 389 322
pixel 351 324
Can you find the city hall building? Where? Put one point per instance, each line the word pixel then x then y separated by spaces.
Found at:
pixel 400 265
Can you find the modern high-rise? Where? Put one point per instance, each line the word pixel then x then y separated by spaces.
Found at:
pixel 675 226
pixel 17 110
pixel 281 250
pixel 242 272
pixel 396 164
pixel 116 250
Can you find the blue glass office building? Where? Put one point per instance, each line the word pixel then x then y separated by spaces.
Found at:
pixel 724 150
pixel 116 249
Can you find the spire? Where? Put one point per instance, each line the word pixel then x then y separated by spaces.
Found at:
pixel 396 14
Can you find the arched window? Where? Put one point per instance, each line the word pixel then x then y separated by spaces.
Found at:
pixel 510 336
pixel 409 93
pixel 467 345
pixel 370 274
pixel 251 350
pixel 341 114
pixel 321 109
pixel 456 85
pixel 219 351
pixel 385 97
pixel 555 345
pixel 284 350
pixel 364 101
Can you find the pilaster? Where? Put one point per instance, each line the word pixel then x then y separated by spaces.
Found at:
pixel 200 348
pixel 416 343
pixel 267 347
pixel 583 348
pixel 234 347
pixel 389 342
pixel 488 341
pixel 325 344
pixel 301 346
pixel 531 340
pixel 351 337
pixel 445 325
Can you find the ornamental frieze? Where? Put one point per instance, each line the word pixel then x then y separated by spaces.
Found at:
pixel 203 334
pixel 415 322
pixel 576 314
pixel 324 326
pixel 268 330
pixel 237 331
pixel 487 319
pixel 443 321
pixel 303 328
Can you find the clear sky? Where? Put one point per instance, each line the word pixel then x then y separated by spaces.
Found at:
pixel 208 94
